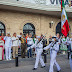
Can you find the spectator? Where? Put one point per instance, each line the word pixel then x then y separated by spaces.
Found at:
pixel 41 36
pixel 34 39
pixel 23 46
pixel 20 34
pixel 1 49
pixel 64 44
pixel 2 36
pixel 50 39
pixel 26 37
pixel 44 42
pixel 8 45
pixel 64 40
pixel 29 43
pixel 15 45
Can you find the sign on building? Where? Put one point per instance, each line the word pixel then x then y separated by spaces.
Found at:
pixel 47 2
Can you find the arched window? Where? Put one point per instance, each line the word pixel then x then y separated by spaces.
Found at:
pixel 2 28
pixel 58 28
pixel 29 28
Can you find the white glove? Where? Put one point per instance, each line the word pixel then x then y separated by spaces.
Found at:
pixel 28 48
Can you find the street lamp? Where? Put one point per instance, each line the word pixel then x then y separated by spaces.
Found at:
pixel 51 24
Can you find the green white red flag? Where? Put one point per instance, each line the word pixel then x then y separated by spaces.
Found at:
pixel 64 21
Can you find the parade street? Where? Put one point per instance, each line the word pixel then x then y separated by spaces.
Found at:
pixel 26 65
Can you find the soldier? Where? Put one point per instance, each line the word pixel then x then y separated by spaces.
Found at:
pixel 8 45
pixel 23 46
pixel 39 49
pixel 54 48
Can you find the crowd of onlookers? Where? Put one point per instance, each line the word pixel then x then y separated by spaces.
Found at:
pixel 9 46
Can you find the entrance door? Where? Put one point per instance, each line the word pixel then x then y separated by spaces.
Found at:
pixel 58 28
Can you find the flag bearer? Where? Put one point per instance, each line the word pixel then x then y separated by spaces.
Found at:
pixel 54 48
pixel 39 49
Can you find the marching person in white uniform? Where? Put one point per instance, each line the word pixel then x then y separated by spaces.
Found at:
pixel 39 49
pixel 54 48
pixel 70 57
pixel 8 45
pixel 70 60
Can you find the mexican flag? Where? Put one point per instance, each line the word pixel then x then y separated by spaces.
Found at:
pixel 64 21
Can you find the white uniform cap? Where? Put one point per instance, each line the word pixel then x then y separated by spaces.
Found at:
pixel 54 36
pixel 8 32
pixel 37 36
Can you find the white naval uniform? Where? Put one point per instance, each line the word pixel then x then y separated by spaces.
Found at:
pixel 8 45
pixel 70 61
pixel 39 50
pixel 53 54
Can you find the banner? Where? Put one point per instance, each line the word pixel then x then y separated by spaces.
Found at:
pixel 47 2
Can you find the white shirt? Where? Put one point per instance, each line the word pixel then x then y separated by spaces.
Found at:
pixel 70 39
pixel 55 47
pixel 1 43
pixel 14 41
pixel 8 41
pixel 29 41
pixel 64 40
pixel 38 46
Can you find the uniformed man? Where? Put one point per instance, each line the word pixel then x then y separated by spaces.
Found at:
pixel 54 48
pixel 70 57
pixel 8 45
pixel 39 49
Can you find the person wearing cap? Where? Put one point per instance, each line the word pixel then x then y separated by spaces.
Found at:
pixel 29 43
pixel 38 45
pixel 8 45
pixel 15 45
pixel 54 48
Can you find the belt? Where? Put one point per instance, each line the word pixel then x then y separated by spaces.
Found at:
pixel 54 50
